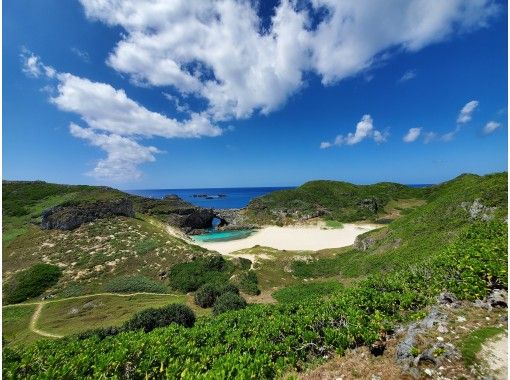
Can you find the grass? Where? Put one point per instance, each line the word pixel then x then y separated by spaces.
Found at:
pixel 472 343
pixel 15 322
pixel 133 284
pixel 76 315
pixel 334 224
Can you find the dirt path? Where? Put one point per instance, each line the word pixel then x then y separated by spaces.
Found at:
pixel 37 312
pixel 33 322
pixel 495 355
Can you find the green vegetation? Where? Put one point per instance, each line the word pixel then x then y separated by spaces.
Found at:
pixel 419 234
pixel 334 224
pixel 145 246
pixel 188 277
pixel 15 322
pixel 134 284
pixel 335 201
pixel 237 344
pixel 249 283
pixel 228 301
pixel 472 344
pixel 31 282
pixel 304 292
pixel 149 319
pixel 208 293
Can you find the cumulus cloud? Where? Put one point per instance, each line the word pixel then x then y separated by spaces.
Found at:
pixel 364 129
pixel 490 127
pixel 124 155
pixel 115 122
pixel 220 51
pixel 466 112
pixel 412 135
pixel 429 137
pixel 408 75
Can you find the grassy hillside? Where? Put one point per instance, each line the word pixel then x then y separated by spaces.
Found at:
pixel 341 201
pixel 421 232
pixel 96 253
pixel 237 344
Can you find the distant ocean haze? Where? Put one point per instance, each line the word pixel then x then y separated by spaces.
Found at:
pixel 223 198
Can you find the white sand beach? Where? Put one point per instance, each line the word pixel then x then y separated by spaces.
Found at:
pixel 293 238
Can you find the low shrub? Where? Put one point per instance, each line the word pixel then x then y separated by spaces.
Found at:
pixel 132 284
pixel 188 277
pixel 31 282
pixel 249 283
pixel 302 292
pixel 228 301
pixel 150 319
pixel 269 341
pixel 207 294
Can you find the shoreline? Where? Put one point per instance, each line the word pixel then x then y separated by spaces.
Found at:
pixel 293 238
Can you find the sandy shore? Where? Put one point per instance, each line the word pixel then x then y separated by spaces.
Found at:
pixel 293 238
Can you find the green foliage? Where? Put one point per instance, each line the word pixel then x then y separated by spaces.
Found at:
pixel 249 283
pixel 340 201
pixel 150 319
pixel 207 294
pixel 228 301
pixel 266 341
pixel 188 277
pixel 133 284
pixel 147 245
pixel 31 282
pixel 334 224
pixel 472 343
pixel 303 292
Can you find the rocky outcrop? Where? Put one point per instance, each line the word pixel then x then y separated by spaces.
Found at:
pixel 477 211
pixel 71 216
pixel 232 219
pixel 369 203
pixel 192 221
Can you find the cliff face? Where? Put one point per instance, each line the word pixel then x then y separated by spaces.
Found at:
pixel 69 217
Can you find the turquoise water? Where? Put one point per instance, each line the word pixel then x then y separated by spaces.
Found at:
pixel 222 235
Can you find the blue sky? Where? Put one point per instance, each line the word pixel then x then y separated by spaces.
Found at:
pixel 198 94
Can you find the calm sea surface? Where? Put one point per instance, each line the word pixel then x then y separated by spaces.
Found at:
pixel 233 197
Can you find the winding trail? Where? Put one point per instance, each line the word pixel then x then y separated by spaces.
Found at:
pixel 37 312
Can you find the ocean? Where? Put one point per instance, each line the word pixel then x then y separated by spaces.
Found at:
pixel 236 197
pixel 228 197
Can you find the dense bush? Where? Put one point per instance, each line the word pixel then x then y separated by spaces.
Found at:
pixel 207 294
pixel 132 284
pixel 188 277
pixel 249 283
pixel 31 282
pixel 267 341
pixel 302 292
pixel 228 301
pixel 150 319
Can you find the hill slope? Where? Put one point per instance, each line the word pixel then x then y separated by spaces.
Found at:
pixel 334 200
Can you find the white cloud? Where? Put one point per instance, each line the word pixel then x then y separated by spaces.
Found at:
pixel 429 137
pixel 219 51
pixel 408 75
pixel 412 135
pixel 124 155
pixel 83 55
pixel 364 129
pixel 115 121
pixel 466 112
pixel 33 67
pixel 105 108
pixel 490 127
